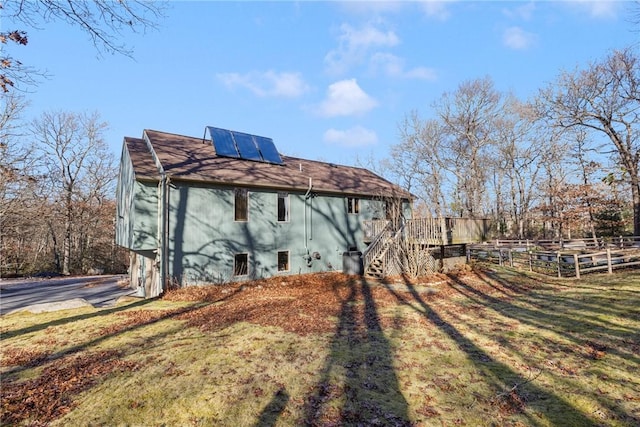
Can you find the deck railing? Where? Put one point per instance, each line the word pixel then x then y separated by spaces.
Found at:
pixel 434 231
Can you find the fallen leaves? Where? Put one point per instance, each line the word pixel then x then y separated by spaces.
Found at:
pixel 49 396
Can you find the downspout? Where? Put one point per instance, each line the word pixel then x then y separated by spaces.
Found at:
pixel 306 197
pixel 164 231
pixel 163 217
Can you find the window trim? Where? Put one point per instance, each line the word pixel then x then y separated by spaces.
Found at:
pixel 288 261
pixel 235 266
pixel 287 206
pixel 236 192
pixel 353 205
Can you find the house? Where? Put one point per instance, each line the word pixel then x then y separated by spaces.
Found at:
pixel 229 207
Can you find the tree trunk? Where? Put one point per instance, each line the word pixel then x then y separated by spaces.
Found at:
pixel 66 255
pixel 635 192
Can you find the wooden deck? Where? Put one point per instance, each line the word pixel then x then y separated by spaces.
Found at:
pixel 383 239
pixel 434 231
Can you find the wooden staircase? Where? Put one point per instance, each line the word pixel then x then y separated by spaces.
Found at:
pixel 376 258
pixel 375 269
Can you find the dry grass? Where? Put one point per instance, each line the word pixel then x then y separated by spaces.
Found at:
pixel 488 347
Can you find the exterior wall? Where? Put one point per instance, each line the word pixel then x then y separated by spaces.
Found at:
pixel 124 200
pixel 136 209
pixel 144 273
pixel 203 236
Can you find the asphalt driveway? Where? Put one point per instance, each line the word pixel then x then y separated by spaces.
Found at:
pixel 39 295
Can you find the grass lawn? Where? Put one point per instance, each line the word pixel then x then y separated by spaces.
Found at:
pixel 489 347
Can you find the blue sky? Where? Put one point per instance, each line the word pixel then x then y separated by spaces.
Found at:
pixel 326 80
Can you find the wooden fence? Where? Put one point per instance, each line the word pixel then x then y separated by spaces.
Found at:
pixel 563 263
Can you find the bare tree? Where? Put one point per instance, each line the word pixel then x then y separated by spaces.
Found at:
pixel 17 183
pixel 74 153
pixel 520 147
pixel 603 98
pixel 468 117
pixel 105 22
pixel 417 161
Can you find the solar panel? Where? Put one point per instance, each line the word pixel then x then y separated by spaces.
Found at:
pixel 246 146
pixel 268 150
pixel 223 142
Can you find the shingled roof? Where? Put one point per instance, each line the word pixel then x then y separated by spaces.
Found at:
pixel 185 158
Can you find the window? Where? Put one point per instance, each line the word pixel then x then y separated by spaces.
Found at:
pixel 241 265
pixel 242 205
pixel 283 261
pixel 353 205
pixel 283 207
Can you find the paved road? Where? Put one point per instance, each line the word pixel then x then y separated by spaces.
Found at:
pixel 63 292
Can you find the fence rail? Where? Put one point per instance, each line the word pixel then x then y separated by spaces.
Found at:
pixel 560 244
pixel 561 263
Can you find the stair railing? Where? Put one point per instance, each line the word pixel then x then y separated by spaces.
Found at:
pixel 374 250
pixel 379 248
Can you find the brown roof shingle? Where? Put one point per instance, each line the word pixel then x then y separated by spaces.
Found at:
pixel 194 159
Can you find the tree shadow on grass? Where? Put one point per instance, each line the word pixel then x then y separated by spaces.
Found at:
pixel 358 384
pixel 577 321
pixel 270 414
pixel 67 363
pixel 498 375
pixel 71 319
pixel 581 323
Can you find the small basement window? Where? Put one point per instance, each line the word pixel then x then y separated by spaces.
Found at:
pixel 283 261
pixel 283 207
pixel 241 204
pixel 241 265
pixel 353 205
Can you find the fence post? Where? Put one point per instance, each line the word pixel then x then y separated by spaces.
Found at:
pixel 468 255
pixel 530 260
pixel 558 260
pixel 609 261
pixel 575 260
pixel 500 257
pixel 511 257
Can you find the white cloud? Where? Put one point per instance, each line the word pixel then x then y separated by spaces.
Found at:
pixel 522 11
pixel 357 136
pixel 600 8
pixel 346 98
pixel 517 38
pixel 267 84
pixel 354 44
pixel 393 66
pixel 369 7
pixel 436 9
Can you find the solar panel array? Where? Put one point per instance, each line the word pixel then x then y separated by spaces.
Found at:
pixel 244 146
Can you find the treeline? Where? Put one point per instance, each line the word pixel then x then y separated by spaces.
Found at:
pixel 57 181
pixel 563 164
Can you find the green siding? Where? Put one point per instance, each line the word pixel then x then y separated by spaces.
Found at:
pixel 145 212
pixel 124 200
pixel 204 236
pixel 136 209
